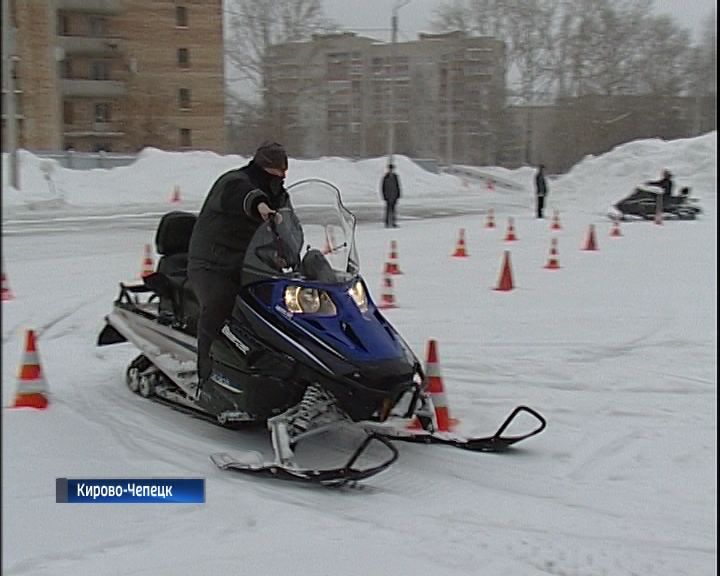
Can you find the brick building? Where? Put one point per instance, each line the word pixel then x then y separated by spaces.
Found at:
pixel 338 94
pixel 118 75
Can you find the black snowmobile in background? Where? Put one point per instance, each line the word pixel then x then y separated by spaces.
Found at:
pixel 644 203
pixel 306 350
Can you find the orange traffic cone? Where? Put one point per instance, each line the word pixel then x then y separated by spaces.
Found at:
pixel 391 266
pixel 510 236
pixel 591 243
pixel 490 223
pixel 387 298
pixel 615 230
pixel 436 390
pixel 6 292
pixel 553 263
pixel 556 221
pixel 31 388
pixel 460 251
pixel 175 198
pixel 490 185
pixel 148 267
pixel 505 283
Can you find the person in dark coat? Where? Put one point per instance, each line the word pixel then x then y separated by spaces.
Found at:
pixel 238 202
pixel 666 184
pixel 541 190
pixel 391 194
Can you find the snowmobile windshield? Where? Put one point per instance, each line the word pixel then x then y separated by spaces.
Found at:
pixel 313 239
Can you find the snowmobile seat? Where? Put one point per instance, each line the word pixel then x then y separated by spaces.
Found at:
pixel 178 303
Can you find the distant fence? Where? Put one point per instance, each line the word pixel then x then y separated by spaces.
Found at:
pixel 429 164
pixel 469 172
pixel 88 160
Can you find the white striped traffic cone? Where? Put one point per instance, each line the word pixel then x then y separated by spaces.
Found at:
pixel 387 298
pixel 148 267
pixel 436 390
pixel 31 386
pixel 392 266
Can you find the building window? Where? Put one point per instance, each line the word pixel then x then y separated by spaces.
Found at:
pixel 181 19
pixel 96 26
pixel 102 113
pixel 63 25
pixel 185 138
pixel 184 98
pixel 67 69
pixel 68 113
pixel 183 56
pixel 100 70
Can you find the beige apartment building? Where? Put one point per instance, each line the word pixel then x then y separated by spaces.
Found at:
pixel 118 75
pixel 339 94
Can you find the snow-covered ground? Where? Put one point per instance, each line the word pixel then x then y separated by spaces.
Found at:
pixel 617 349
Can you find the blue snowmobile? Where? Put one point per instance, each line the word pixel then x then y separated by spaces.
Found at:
pixel 306 350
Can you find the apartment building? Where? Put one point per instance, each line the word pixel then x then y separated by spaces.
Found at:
pixel 118 75
pixel 339 94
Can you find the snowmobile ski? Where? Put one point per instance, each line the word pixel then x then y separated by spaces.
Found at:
pixel 333 477
pixel 495 443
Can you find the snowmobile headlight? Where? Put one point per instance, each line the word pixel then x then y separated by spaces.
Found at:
pixel 357 292
pixel 303 300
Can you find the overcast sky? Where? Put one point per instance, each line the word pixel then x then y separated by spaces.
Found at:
pixel 372 17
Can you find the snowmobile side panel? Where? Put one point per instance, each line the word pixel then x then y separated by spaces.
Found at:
pixel 261 389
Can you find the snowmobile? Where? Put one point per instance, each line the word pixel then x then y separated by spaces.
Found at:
pixel 306 351
pixel 643 203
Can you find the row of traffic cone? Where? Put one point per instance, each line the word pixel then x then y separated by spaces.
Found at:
pixel 490 223
pixel 590 244
pixel 461 248
pixel 392 268
pixel 505 282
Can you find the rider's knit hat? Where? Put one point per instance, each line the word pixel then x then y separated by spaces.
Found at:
pixel 271 155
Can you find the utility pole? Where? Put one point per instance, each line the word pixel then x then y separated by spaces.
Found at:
pixel 391 108
pixel 8 48
pixel 449 115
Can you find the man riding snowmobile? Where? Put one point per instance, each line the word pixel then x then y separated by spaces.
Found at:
pixel 647 204
pixel 305 348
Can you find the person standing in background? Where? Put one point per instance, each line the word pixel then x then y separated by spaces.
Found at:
pixel 391 194
pixel 541 190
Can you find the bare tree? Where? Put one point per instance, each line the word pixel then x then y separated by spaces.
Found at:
pixel 255 25
pixel 526 27
pixel 599 46
pixel 662 67
pixel 482 17
pixel 579 47
pixel 146 122
pixel 702 84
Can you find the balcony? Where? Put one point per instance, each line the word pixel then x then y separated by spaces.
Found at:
pixel 94 130
pixel 86 45
pixel 90 6
pixel 93 88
